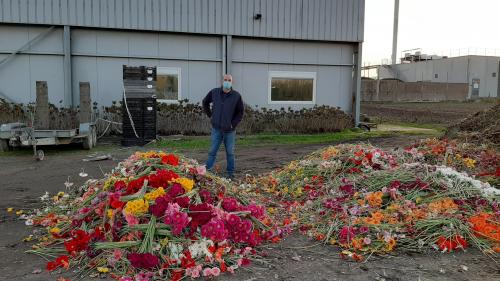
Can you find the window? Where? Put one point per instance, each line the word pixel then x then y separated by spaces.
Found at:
pixel 292 87
pixel 436 76
pixel 168 84
pixel 494 74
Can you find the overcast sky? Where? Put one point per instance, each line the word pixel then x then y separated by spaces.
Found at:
pixel 434 25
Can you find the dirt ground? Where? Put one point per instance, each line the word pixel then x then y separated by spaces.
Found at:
pixel 443 113
pixel 23 180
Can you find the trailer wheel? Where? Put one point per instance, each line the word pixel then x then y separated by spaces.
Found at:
pixel 4 145
pixel 94 136
pixel 40 155
pixel 87 142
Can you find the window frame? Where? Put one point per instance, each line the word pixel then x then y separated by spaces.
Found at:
pixel 167 70
pixel 292 75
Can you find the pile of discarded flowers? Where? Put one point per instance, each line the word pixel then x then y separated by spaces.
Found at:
pixel 369 201
pixel 160 215
pixel 156 215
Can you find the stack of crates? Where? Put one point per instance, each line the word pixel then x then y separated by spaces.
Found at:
pixel 140 98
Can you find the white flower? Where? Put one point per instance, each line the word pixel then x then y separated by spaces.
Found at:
pixel 45 196
pixel 28 222
pixel 83 174
pixel 68 184
pixel 200 248
pixel 454 177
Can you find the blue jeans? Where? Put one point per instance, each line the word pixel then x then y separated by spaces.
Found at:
pixel 217 137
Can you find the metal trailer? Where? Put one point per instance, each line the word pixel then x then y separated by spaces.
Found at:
pixel 23 135
pixel 20 135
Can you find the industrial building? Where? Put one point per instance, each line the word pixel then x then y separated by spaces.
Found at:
pixel 272 48
pixel 480 74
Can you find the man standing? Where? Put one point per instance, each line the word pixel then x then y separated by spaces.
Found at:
pixel 226 113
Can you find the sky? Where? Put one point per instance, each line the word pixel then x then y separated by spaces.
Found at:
pixel 442 27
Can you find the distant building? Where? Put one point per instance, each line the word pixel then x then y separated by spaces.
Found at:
pixel 480 73
pixel 281 53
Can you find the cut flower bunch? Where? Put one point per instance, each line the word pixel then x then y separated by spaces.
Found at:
pixel 368 201
pixel 156 215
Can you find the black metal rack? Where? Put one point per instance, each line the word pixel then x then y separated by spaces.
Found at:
pixel 139 104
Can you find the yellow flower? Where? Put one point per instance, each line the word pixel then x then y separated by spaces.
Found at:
pixel 110 214
pixel 60 193
pixel 186 183
pixel 418 200
pixel 20 212
pixel 469 162
pixel 108 183
pixel 28 238
pixel 103 269
pixel 285 190
pixel 55 230
pixel 9 210
pixel 151 196
pixel 270 210
pixel 298 192
pixel 164 241
pixel 136 207
pixel 333 241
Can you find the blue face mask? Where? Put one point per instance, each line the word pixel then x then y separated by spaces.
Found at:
pixel 227 85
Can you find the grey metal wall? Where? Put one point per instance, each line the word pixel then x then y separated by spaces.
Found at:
pixel 98 56
pixel 329 20
pixel 450 70
pixel 332 63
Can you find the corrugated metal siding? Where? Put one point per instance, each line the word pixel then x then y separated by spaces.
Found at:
pixel 328 20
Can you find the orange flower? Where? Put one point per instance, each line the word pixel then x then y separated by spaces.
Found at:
pixel 485 225
pixel 375 198
pixel 390 245
pixel 376 218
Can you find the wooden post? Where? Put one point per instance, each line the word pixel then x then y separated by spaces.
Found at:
pixel 85 102
pixel 42 111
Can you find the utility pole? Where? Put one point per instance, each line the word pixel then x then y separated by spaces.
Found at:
pixel 395 32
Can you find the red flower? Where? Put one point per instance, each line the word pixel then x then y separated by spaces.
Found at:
pixel 170 160
pixel 183 201
pixel 79 242
pixel 200 214
pixel 245 262
pixel 62 261
pixel 160 206
pixel 177 275
pixel 114 201
pixel 144 261
pixel 162 178
pixel 135 185
pixel 187 261
pixel 451 243
pixel 120 185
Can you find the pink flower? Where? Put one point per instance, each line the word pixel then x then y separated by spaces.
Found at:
pixel 367 241
pixel 177 219
pixel 206 196
pixel 144 261
pixel 126 278
pixel 214 230
pixel 175 190
pixel 230 204
pixel 201 170
pixel 131 219
pixel 346 234
pixel 256 211
pixel 194 271
pixel 211 272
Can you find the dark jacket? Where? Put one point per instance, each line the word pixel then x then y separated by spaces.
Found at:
pixel 227 109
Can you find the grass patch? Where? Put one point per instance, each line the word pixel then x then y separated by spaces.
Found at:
pixel 199 143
